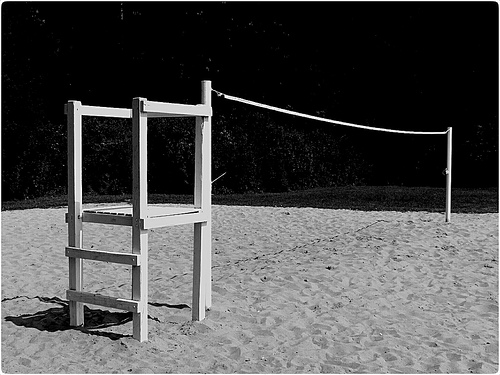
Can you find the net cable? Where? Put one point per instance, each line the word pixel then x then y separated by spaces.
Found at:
pixel 294 113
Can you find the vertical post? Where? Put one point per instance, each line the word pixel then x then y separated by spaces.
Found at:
pixel 448 177
pixel 202 263
pixel 74 119
pixel 139 212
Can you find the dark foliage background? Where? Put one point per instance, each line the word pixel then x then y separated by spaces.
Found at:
pixel 415 66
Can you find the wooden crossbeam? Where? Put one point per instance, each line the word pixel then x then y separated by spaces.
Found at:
pixel 105 218
pixel 165 221
pixel 90 110
pixel 104 256
pixel 100 300
pixel 161 109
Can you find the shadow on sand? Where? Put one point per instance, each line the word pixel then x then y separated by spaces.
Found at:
pixel 57 318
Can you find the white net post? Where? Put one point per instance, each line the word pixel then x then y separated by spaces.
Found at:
pixel 448 177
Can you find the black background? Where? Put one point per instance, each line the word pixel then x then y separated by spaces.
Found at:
pixel 410 65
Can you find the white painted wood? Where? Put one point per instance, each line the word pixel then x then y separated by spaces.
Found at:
pixel 202 295
pixel 162 211
pixel 102 218
pixel 139 161
pixel 88 110
pixel 152 211
pixel 140 284
pixel 100 300
pixel 157 217
pixel 199 287
pixel 139 213
pixel 448 175
pixel 206 237
pixel 104 256
pixel 198 163
pixel 166 115
pixel 161 109
pixel 74 123
pixel 167 221
pixel 117 210
pixel 100 211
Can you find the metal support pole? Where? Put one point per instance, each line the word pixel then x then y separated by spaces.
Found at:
pixel 448 177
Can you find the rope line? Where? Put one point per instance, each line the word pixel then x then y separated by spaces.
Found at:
pixel 249 102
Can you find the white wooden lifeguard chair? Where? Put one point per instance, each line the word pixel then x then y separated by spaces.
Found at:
pixel 139 215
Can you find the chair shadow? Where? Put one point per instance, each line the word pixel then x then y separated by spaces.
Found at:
pixel 178 306
pixel 57 318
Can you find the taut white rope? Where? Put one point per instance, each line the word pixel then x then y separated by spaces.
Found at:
pixel 245 101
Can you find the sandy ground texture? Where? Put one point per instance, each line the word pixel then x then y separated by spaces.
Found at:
pixel 295 290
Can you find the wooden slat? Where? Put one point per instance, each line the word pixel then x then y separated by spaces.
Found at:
pixel 88 110
pixel 112 209
pixel 100 300
pixel 104 256
pixel 157 109
pixel 155 218
pixel 152 211
pixel 166 221
pixel 164 115
pixel 103 218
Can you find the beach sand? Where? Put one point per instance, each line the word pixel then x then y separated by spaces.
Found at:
pixel 295 290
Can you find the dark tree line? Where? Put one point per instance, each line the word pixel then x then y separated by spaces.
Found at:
pixel 422 66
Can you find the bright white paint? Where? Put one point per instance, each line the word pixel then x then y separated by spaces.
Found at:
pixel 140 217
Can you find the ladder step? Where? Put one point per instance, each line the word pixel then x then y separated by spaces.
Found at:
pixel 98 299
pixel 104 256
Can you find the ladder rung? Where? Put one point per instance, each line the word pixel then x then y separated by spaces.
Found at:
pixel 98 299
pixel 104 256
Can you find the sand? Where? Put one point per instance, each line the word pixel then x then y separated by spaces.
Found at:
pixel 295 290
